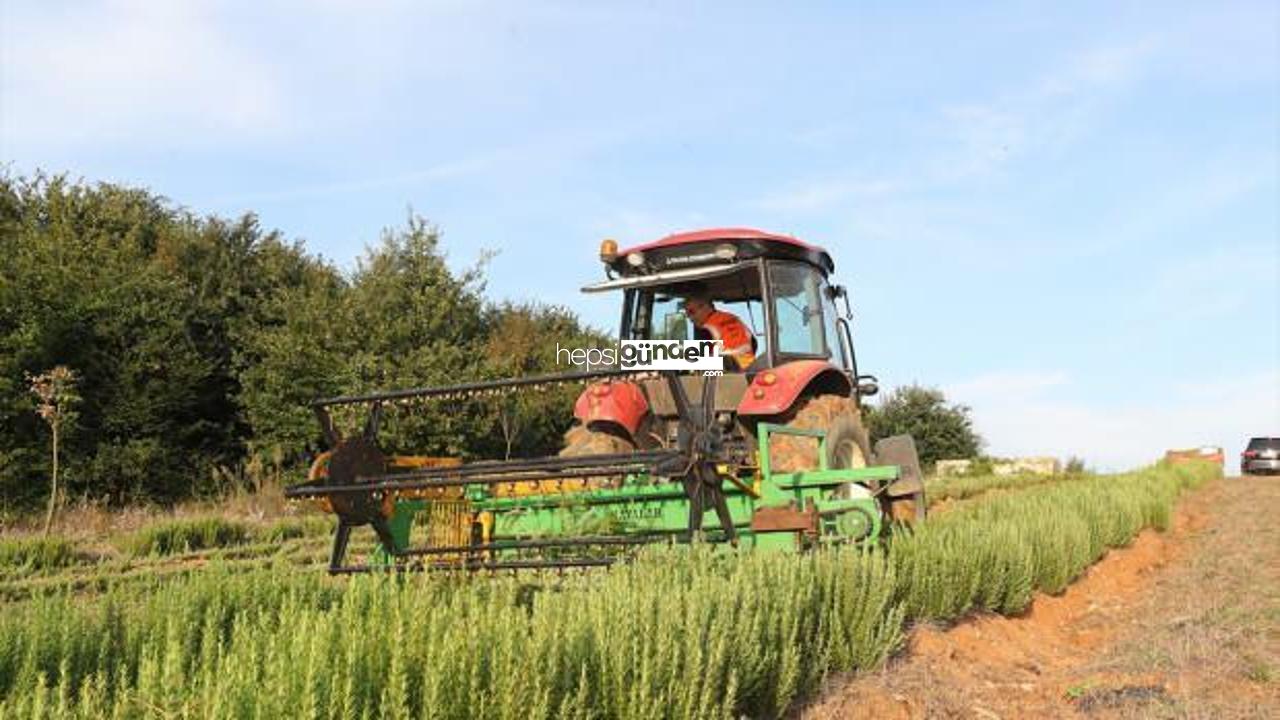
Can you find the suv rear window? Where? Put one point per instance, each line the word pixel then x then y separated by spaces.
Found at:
pixel 1264 444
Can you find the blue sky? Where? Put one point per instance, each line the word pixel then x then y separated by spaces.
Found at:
pixel 1063 215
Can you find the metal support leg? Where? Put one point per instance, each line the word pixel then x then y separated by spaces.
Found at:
pixel 340 538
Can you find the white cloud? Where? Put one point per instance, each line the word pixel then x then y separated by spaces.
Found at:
pixel 1050 113
pixel 143 70
pixel 820 195
pixel 1023 414
pixel 1209 285
pixel 1018 384
pixel 979 138
pixel 630 226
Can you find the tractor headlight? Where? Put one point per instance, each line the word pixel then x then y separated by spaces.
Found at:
pixel 635 259
pixel 726 251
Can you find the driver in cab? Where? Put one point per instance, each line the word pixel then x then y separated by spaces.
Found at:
pixel 734 335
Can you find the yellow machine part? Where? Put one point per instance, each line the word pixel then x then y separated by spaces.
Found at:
pixel 447 523
pixel 419 462
pixel 522 488
pixel 319 471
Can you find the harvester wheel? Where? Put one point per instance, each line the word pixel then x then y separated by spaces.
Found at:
pixel 848 445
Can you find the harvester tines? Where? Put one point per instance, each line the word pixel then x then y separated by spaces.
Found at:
pixel 359 486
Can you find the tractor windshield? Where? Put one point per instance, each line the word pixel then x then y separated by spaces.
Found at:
pixel 672 323
pixel 658 313
pixel 802 316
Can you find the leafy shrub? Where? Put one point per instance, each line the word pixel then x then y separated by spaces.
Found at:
pixel 176 536
pixel 294 528
pixel 37 553
pixel 1075 465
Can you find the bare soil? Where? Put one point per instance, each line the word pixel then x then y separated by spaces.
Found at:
pixel 1184 624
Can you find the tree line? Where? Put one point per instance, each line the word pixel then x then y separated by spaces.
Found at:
pixel 191 346
pixel 196 343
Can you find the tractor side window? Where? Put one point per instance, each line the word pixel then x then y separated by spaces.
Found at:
pixel 834 341
pixel 797 305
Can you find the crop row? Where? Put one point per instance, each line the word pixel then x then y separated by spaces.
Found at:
pixel 681 632
pixel 943 490
pixel 23 555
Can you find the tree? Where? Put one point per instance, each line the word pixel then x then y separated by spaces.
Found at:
pixel 197 342
pixel 56 391
pixel 151 306
pixel 941 430
pixel 521 340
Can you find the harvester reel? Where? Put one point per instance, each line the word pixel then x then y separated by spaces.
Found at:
pixel 700 440
pixel 352 459
pixel 355 458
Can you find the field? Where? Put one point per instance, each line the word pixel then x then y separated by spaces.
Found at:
pixel 211 617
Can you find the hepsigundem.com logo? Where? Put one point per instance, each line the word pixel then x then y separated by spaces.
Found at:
pixel 647 355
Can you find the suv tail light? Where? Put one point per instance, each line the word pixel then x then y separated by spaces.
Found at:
pixel 1249 454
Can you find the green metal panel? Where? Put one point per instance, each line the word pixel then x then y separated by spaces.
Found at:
pixel 646 505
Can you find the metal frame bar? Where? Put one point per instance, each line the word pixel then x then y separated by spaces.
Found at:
pixel 497 473
pixel 538 543
pixel 764 430
pixel 474 387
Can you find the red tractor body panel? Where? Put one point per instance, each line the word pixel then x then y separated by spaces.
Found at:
pixel 622 403
pixel 718 234
pixel 774 391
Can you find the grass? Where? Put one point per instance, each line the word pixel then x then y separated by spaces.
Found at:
pixel 37 553
pixel 186 535
pixel 681 632
pixel 206 533
pixel 963 487
pixel 295 528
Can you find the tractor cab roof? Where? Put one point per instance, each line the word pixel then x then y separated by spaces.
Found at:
pixel 700 255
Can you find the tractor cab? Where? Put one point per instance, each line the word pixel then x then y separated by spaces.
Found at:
pixel 776 285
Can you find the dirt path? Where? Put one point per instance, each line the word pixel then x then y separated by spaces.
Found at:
pixel 1180 625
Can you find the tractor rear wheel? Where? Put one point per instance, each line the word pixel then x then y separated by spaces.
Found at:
pixel 848 445
pixel 580 440
pixel 592 439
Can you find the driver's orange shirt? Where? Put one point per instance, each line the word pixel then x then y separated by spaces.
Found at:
pixel 734 334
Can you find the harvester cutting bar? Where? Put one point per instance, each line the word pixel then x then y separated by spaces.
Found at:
pixel 500 472
pixel 481 387
pixel 541 544
pixel 479 565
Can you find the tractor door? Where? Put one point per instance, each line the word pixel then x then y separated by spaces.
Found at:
pixel 804 319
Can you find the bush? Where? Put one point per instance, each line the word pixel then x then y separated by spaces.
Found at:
pixel 941 430
pixel 176 536
pixel 37 553
pixel 294 528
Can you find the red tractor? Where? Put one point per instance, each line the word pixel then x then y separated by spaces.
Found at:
pixel 804 373
pixel 773 443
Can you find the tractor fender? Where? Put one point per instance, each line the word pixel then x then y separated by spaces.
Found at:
pixel 775 390
pixel 622 403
